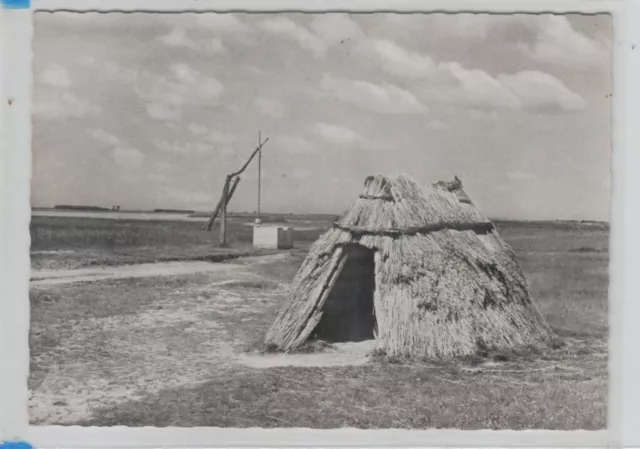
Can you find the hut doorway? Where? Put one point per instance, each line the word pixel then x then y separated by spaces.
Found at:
pixel 348 313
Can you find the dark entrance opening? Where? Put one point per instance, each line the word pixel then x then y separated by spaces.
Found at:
pixel 348 313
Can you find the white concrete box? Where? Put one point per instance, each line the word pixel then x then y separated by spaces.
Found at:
pixel 272 236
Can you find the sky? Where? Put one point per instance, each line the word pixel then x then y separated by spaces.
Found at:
pixel 152 111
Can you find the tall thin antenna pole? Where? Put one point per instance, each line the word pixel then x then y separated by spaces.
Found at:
pixel 259 170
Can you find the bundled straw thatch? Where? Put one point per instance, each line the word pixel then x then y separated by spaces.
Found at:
pixel 442 284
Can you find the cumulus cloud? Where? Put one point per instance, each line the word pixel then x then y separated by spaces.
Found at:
pixel 478 87
pixel 177 38
pixel 292 144
pixel 450 82
pixel 103 137
pixel 217 46
pixel 198 129
pixel 538 90
pixel 461 26
pixel 128 157
pixel 180 147
pixel 182 85
pixel 397 60
pixel 338 134
pixel 438 125
pixel 333 29
pixel 212 135
pixel 381 98
pixel 269 107
pixel 222 23
pixel 55 75
pixel 63 105
pixel 480 115
pixel 520 176
pixel 300 173
pixel 557 42
pixel 531 90
pixel 219 136
pixel 282 26
pixel 161 111
pixel 326 31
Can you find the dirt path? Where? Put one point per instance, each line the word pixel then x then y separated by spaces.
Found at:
pixel 192 333
pixel 56 277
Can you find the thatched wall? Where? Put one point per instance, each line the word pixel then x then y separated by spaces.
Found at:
pixel 452 289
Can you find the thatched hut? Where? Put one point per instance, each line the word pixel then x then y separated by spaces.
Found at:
pixel 418 268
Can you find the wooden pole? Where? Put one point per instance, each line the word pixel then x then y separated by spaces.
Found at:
pixel 215 212
pixel 226 196
pixel 259 170
pixel 223 213
pixel 244 167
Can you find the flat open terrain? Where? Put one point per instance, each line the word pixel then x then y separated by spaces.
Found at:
pixel 148 323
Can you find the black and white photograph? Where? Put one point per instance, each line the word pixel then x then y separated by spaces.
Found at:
pixel 320 220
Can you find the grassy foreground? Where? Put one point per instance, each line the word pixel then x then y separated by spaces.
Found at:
pixel 151 352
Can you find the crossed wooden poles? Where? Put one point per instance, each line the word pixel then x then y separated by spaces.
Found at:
pixel 230 185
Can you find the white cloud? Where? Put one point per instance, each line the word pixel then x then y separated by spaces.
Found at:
pixel 217 46
pixel 212 135
pixel 64 105
pixel 128 157
pixel 55 75
pixel 177 38
pixel 520 176
pixel 398 60
pixel 384 99
pixel 269 107
pixel 559 43
pixel 220 137
pixel 333 29
pixel 326 31
pixel 437 125
pixel 479 115
pixel 281 26
pixel 182 147
pixel 480 88
pixel 120 72
pixel 531 90
pixel 234 109
pixel 292 144
pixel 460 26
pixel 198 129
pixel 167 94
pixel 195 83
pixel 161 111
pixel 338 134
pixel 104 137
pixel 300 173
pixel 538 90
pixel 222 23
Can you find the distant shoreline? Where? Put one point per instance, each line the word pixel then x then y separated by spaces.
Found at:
pixel 187 215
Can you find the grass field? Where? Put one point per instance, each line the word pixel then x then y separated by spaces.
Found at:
pixel 177 350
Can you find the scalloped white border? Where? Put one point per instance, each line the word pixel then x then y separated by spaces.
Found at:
pixel 15 171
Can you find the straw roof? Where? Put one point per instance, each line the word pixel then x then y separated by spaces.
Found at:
pixel 445 283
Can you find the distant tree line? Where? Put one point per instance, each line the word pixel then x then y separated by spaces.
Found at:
pixel 175 211
pixel 70 207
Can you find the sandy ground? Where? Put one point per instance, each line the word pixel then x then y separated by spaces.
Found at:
pixel 126 357
pixel 341 354
pixel 51 277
